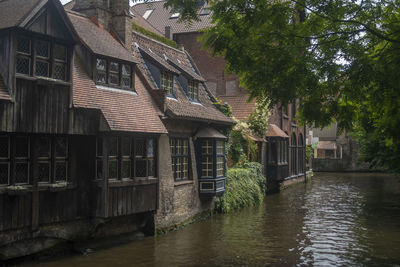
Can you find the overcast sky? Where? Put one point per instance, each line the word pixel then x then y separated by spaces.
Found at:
pixel 66 1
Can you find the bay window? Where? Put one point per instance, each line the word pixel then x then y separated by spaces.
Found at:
pixel 211 165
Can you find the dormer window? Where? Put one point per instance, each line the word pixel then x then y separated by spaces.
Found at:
pixel 49 59
pixel 193 90
pixel 114 73
pixel 167 83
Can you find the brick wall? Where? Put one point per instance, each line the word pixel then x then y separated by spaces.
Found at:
pixel 211 68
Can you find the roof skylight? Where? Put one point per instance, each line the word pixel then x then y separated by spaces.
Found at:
pixel 175 15
pixel 147 14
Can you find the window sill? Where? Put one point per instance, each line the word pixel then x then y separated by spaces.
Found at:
pixel 131 182
pixel 43 80
pixel 285 116
pixel 16 190
pixel 294 124
pixel 180 183
pixel 56 187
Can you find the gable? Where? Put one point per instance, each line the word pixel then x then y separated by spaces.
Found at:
pixel 48 21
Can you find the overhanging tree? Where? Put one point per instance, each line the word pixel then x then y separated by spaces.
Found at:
pixel 342 58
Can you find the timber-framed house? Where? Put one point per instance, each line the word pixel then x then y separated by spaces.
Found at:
pixel 100 127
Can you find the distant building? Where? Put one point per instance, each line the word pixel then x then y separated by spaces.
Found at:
pixel 284 155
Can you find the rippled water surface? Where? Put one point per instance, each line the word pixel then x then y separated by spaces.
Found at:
pixel 334 220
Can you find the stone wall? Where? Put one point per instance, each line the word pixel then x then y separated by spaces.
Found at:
pixel 178 201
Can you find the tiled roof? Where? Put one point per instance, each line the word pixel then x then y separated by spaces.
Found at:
pixel 159 60
pixel 275 131
pixel 181 107
pixel 139 20
pixel 70 5
pixel 241 108
pixel 98 39
pixel 3 90
pixel 123 110
pixel 13 12
pixel 161 17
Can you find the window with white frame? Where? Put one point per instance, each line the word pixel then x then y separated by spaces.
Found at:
pixel 193 90
pixel 167 83
pixel 180 158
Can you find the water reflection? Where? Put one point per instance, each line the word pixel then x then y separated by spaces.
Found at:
pixel 335 220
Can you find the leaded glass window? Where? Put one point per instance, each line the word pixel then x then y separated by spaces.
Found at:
pixel 4 160
pixel 220 158
pixel 101 67
pixel 113 77
pixel 23 61
pixel 126 76
pixel 60 62
pixel 42 50
pixel 128 157
pixel 114 73
pixel 47 58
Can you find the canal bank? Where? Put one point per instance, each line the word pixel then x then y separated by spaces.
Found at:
pixel 340 219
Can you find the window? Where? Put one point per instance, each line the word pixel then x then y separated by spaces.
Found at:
pixel 293 148
pixel 49 59
pixel 294 109
pixel 16 164
pixel 147 13
pixel 300 149
pixel 193 90
pixel 220 158
pixel 167 83
pixel 127 157
pixel 114 73
pixel 180 158
pixel 207 158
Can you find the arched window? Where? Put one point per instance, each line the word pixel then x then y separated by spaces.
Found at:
pixel 293 147
pixel 300 149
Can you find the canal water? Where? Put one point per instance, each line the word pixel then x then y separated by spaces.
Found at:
pixel 335 219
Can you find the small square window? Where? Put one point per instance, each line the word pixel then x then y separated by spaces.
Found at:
pixel 42 49
pixel 23 65
pixel 101 64
pixel 24 45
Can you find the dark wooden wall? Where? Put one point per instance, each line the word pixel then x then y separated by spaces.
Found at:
pixel 37 109
pixel 131 199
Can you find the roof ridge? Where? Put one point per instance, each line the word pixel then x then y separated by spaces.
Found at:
pixel 148 3
pixel 158 42
pixel 76 13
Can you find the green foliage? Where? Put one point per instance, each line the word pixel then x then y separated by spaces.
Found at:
pixel 309 152
pixel 245 186
pixel 224 108
pixel 258 120
pixel 340 57
pixel 153 35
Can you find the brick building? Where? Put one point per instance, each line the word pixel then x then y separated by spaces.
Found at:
pixel 103 131
pixel 284 153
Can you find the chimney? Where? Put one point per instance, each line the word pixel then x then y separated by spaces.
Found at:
pixel 122 21
pixel 167 33
pixel 114 15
